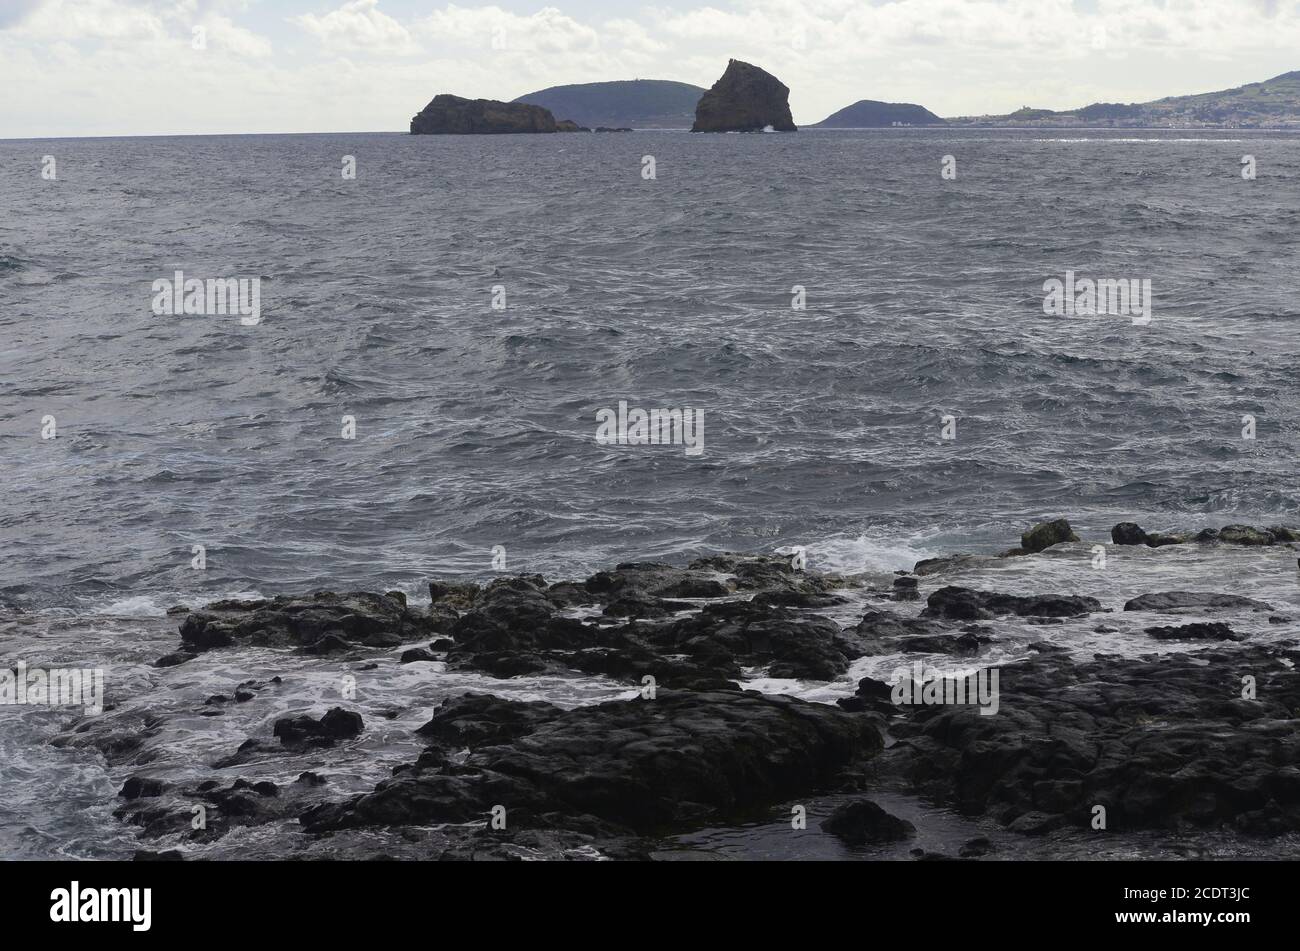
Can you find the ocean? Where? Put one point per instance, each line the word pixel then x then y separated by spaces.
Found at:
pixel 437 338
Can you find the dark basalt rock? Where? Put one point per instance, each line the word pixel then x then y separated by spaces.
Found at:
pixel 452 594
pixel 763 573
pixel 883 632
pixel 337 724
pixel 320 623
pixel 142 787
pixel 905 589
pixel 871 697
pixel 1162 742
pixel 1187 632
pixel 744 99
pixel 515 614
pixel 1128 533
pixel 796 599
pixel 517 625
pixel 930 566
pixel 550 845
pixel 1172 602
pixel 648 579
pixel 1161 539
pixel 862 822
pixel 976 847
pixel 798 647
pixel 643 765
pixel 967 604
pixel 474 720
pixel 1246 535
pixel 639 605
pixel 243 803
pixel 1046 534
pixel 175 659
pixel 452 115
pixel 874 696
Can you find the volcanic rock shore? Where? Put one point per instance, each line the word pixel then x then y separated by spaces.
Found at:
pixel 1202 739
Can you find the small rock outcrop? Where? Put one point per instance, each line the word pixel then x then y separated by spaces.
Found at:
pixel 862 822
pixel 745 99
pixel 337 724
pixel 452 115
pixel 1215 631
pixel 1130 533
pixel 965 604
pixel 319 623
pixel 1046 534
pixel 1177 601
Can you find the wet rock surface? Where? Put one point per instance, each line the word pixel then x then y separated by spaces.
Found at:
pixel 636 766
pixel 320 623
pixel 863 822
pixel 1165 742
pixel 337 724
pixel 1168 742
pixel 966 604
pixel 687 627
pixel 1170 602
pixel 1211 632
pixel 1046 534
pixel 1130 533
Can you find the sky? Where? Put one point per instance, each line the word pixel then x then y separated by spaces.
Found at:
pixel 131 67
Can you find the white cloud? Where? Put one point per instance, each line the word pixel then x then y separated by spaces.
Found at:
pixel 226 35
pixel 91 19
pixel 546 31
pixel 135 23
pixel 359 25
pixel 633 36
pixel 126 67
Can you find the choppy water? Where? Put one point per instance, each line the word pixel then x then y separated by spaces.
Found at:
pixel 475 427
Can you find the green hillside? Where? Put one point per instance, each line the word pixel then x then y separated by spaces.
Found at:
pixel 871 114
pixel 1271 104
pixel 634 103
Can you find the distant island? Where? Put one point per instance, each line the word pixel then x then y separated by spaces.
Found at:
pixel 1274 104
pixel 452 115
pixel 634 103
pixel 870 114
pixel 749 99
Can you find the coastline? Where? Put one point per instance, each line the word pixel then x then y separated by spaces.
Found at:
pixel 709 701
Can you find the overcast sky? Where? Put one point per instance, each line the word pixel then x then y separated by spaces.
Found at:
pixel 128 67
